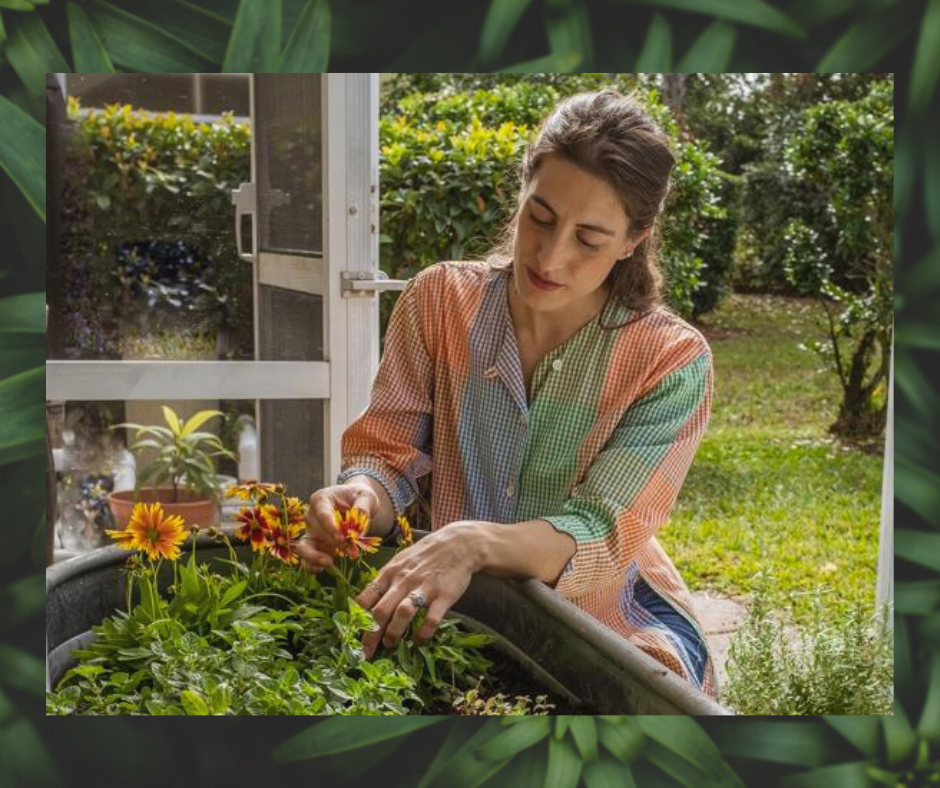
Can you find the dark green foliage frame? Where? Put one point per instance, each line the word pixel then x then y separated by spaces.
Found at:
pixel 549 35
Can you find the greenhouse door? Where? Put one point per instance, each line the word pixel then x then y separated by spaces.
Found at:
pixel 314 202
pixel 306 226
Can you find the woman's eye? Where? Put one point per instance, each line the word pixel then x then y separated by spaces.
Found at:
pixel 586 245
pixel 542 222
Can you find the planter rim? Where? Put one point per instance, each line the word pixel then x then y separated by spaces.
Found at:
pixel 152 495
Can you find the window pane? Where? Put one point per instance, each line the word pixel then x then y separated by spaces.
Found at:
pixel 290 163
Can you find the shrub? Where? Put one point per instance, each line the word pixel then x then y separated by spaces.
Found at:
pixel 148 219
pixel 842 668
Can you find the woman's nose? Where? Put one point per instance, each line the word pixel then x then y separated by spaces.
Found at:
pixel 551 253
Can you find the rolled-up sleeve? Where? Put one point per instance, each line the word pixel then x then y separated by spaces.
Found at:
pixel 631 486
pixel 390 441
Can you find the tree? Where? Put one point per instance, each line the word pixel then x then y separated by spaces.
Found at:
pixel 846 153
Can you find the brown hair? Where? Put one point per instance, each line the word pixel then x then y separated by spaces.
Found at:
pixel 613 137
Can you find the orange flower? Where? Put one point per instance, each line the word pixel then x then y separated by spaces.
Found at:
pixel 253 490
pixel 352 525
pixel 407 537
pixel 281 544
pixel 257 524
pixel 152 531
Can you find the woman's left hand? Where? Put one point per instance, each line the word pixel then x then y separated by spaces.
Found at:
pixel 438 568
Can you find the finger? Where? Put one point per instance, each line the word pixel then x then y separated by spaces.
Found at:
pixel 400 621
pixel 432 621
pixel 372 593
pixel 320 521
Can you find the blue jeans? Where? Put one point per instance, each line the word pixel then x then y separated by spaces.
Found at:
pixel 689 640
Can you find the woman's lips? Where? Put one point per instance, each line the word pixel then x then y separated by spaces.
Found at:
pixel 540 283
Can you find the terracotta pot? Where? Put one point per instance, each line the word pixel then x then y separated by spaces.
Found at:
pixel 193 510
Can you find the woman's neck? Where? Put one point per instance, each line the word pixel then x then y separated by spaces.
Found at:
pixel 548 330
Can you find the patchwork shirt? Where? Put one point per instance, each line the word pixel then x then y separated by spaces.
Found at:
pixel 600 449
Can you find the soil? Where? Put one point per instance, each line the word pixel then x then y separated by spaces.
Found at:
pixel 507 678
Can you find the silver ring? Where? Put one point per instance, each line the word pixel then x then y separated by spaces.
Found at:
pixel 417 599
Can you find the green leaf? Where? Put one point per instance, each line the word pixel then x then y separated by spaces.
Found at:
pixel 344 734
pixel 139 45
pixel 22 670
pixel 677 767
pixel 711 51
pixel 812 13
pixel 527 770
pixel 749 12
pixel 561 725
pixel 843 775
pixel 308 50
pixel 515 739
pixel 864 44
pixel 465 770
pixel 798 743
pixel 863 732
pixel 624 740
pixel 932 191
pixel 193 704
pixel 584 732
pixel 929 726
pixel 194 422
pixel 501 19
pixel 685 737
pixel 203 32
pixel 87 49
pixel 564 765
pixel 900 739
pixel 32 52
pixel 458 737
pixel 17 5
pixel 917 335
pixel 23 599
pixel 607 773
pixel 656 55
pixel 233 592
pixel 22 313
pixel 926 59
pixel 918 488
pixel 918 547
pixel 27 754
pixel 559 64
pixel 23 158
pixel 255 44
pixel 22 415
pixel 569 28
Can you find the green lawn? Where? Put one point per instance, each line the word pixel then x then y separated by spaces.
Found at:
pixel 770 490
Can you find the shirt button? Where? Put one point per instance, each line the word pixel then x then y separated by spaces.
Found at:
pixel 511 490
pixel 557 364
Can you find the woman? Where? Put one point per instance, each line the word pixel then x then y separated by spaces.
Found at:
pixel 557 404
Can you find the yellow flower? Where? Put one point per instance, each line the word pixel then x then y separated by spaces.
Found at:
pixel 296 514
pixel 253 490
pixel 352 526
pixel 407 537
pixel 152 531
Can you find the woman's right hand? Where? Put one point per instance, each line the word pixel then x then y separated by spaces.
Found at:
pixel 317 548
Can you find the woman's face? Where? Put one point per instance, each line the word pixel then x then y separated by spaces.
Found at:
pixel 570 232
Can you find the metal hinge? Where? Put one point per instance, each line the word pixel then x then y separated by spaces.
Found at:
pixel 362 284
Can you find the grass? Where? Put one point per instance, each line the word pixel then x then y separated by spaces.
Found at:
pixel 770 490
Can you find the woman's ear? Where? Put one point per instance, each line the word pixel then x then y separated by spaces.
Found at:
pixel 634 241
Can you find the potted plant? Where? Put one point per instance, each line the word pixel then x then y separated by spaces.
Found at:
pixel 186 459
